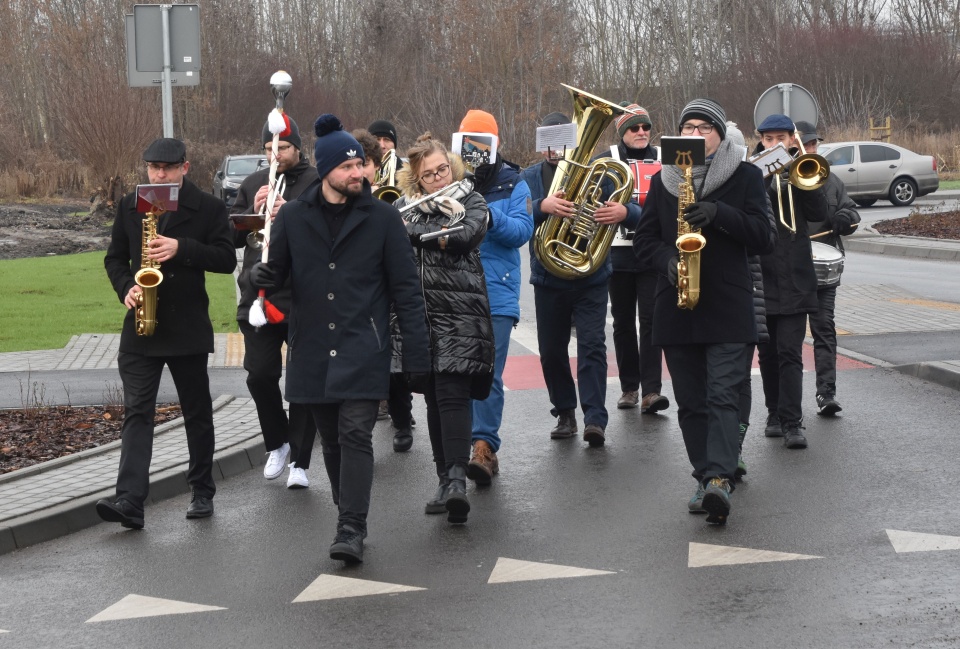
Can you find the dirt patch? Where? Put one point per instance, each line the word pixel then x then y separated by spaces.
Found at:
pixel 28 230
pixel 943 225
pixel 29 436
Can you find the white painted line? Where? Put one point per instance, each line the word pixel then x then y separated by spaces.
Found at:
pixel 508 570
pixel 333 587
pixel 4 631
pixel 704 554
pixel 134 606
pixel 920 542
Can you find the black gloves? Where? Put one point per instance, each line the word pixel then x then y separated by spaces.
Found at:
pixel 672 271
pixel 843 222
pixel 700 215
pixel 262 276
pixel 417 381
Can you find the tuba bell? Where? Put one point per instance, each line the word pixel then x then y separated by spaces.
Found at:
pixel 577 247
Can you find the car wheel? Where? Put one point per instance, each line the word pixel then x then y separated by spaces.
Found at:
pixel 864 202
pixel 903 191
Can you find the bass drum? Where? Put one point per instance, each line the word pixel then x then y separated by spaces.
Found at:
pixel 828 262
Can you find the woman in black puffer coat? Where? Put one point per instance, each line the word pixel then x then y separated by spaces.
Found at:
pixel 458 312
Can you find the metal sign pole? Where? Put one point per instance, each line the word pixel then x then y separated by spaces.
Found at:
pixel 166 85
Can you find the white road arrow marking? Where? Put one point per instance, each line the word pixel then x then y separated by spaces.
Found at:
pixel 920 542
pixel 703 554
pixel 333 587
pixel 134 606
pixel 508 570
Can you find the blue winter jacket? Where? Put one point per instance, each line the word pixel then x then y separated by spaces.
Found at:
pixel 508 198
pixel 539 275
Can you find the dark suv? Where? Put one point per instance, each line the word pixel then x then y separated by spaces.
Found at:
pixel 231 173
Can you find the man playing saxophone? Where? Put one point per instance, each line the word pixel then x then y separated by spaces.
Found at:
pixel 706 347
pixel 192 240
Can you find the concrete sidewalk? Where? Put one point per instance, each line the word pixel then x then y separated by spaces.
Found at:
pixel 55 498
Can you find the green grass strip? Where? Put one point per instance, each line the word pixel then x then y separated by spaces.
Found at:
pixel 46 300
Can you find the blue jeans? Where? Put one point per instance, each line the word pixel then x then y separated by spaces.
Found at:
pixel 488 414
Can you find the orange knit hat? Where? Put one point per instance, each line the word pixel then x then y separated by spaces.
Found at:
pixel 479 121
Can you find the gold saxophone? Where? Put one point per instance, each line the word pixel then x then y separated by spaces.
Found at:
pixel 689 241
pixel 148 278
pixel 578 247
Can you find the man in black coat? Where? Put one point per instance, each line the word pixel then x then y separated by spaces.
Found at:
pixel 348 257
pixel 706 348
pixel 190 241
pixel 840 219
pixel 790 292
pixel 262 358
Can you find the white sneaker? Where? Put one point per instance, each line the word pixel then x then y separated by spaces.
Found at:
pixel 276 462
pixel 297 478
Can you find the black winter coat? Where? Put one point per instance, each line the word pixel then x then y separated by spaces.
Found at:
pixel 201 229
pixel 455 291
pixel 725 313
pixel 296 180
pixel 841 217
pixel 339 340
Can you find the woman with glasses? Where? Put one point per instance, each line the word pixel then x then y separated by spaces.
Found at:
pixel 458 313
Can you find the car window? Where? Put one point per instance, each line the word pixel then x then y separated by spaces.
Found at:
pixel 892 154
pixel 874 153
pixel 840 156
pixel 242 166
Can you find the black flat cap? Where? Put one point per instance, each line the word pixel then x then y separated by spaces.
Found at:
pixel 165 149
pixel 808 132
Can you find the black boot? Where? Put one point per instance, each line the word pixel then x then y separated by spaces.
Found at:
pixel 566 425
pixel 438 504
pixel 457 504
pixel 402 439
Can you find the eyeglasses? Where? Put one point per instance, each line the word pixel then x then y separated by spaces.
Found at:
pixel 281 148
pixel 705 129
pixel 431 176
pixel 636 128
pixel 157 166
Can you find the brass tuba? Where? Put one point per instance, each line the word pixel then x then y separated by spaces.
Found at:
pixel 577 247
pixel 387 178
pixel 148 278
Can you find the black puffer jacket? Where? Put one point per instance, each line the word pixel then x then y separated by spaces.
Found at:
pixel 759 304
pixel 455 292
pixel 841 217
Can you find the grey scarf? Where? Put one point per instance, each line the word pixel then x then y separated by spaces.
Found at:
pixel 709 177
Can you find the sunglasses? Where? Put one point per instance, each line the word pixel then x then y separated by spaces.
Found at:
pixel 636 128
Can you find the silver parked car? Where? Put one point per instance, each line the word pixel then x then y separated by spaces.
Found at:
pixel 231 173
pixel 873 171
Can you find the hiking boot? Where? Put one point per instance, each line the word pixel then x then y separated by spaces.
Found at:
pixel 593 435
pixel 566 425
pixel 628 400
pixel 348 545
pixel 793 436
pixel 741 465
pixel 654 402
pixel 457 504
pixel 695 505
pixel 828 405
pixel 483 465
pixel 773 428
pixel 383 412
pixel 716 500
pixel 438 504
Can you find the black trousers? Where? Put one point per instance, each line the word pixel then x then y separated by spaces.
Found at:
pixel 706 385
pixel 400 402
pixel 639 361
pixel 781 366
pixel 346 436
pixel 585 309
pixel 746 389
pixel 449 419
pixel 824 333
pixel 263 361
pixel 141 382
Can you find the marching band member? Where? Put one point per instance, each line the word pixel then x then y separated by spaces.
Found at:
pixel 285 439
pixel 510 227
pixel 348 258
pixel 458 313
pixel 790 292
pixel 632 283
pixel 706 347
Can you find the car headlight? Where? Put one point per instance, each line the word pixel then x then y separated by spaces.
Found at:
pixel 231 184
